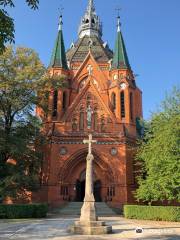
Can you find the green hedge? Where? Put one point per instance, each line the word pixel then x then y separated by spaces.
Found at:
pixel 158 213
pixel 23 210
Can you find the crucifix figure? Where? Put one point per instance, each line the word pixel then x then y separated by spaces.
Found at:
pixel 90 70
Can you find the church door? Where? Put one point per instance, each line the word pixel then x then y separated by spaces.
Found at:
pixel 97 191
pixel 80 190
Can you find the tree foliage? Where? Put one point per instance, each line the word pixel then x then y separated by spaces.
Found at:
pixel 7 27
pixel 22 78
pixel 159 154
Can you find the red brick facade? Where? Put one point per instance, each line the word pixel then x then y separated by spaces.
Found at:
pixel 115 103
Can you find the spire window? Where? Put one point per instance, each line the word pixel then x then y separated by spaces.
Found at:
pixel 64 100
pixel 113 101
pixel 55 103
pixel 131 106
pixel 95 119
pixel 122 97
pixel 81 119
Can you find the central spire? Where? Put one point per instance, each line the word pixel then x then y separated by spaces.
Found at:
pixel 91 7
pixel 90 23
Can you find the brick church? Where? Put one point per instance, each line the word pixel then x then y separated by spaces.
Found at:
pixel 100 97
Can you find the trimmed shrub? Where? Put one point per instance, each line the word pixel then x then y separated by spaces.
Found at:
pixel 158 213
pixel 23 210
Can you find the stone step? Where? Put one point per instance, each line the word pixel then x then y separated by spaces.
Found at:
pixel 74 208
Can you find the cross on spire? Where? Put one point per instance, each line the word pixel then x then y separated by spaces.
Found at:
pixel 60 18
pixel 118 9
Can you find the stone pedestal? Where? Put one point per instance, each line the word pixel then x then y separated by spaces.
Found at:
pixel 90 228
pixel 89 224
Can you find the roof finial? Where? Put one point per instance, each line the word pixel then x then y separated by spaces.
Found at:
pixel 91 7
pixel 118 9
pixel 119 24
pixel 60 18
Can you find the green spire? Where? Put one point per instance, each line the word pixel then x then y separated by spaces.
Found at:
pixel 58 58
pixel 120 58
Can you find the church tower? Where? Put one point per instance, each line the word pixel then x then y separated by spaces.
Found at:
pixel 101 97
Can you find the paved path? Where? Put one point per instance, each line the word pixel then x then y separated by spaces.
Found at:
pixel 56 229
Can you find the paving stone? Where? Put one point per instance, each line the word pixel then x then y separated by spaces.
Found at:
pixel 56 229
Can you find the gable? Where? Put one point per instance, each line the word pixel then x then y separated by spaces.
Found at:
pixel 89 68
pixel 90 94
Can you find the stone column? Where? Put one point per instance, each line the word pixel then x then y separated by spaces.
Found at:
pixel 88 211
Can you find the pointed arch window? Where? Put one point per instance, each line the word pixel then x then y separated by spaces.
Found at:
pixel 93 21
pixel 113 101
pixel 55 103
pixel 131 106
pixel 64 100
pixel 95 119
pixel 81 120
pixel 74 124
pixel 123 110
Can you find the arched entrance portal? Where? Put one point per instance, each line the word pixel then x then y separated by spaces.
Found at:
pixel 72 175
pixel 80 187
pixel 80 190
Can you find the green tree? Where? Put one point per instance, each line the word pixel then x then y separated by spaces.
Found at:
pixel 158 156
pixel 7 23
pixel 24 83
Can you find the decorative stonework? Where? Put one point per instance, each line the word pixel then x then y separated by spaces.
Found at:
pixel 113 151
pixel 63 151
pixel 80 142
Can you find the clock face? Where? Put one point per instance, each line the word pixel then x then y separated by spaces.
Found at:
pixel 123 85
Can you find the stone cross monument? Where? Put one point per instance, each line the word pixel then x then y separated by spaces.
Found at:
pixel 88 211
pixel 89 224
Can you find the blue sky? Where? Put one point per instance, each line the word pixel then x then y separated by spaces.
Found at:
pixel 151 29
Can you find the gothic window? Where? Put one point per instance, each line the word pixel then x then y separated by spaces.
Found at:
pixel 131 106
pixel 111 191
pixel 122 105
pixel 64 100
pixel 82 84
pixel 64 191
pixel 95 119
pixel 88 99
pixel 113 100
pixel 103 124
pixel 74 124
pixel 81 121
pixel 55 103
